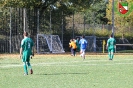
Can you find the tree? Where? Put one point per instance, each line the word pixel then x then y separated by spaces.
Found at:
pixel 67 6
pixel 96 13
pixel 77 5
pixel 123 22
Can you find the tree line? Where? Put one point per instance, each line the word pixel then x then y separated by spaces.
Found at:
pixel 93 11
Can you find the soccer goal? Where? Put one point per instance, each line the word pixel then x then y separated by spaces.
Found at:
pixel 91 47
pixel 49 43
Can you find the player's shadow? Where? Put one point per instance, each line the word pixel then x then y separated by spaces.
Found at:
pixel 63 74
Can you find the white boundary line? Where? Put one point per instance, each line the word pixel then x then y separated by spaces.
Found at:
pixel 81 63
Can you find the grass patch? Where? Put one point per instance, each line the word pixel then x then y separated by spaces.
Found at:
pixel 65 71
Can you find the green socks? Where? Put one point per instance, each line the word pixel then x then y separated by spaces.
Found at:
pixel 111 55
pixel 25 69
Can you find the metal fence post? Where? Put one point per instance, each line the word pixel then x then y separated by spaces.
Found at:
pixel 24 17
pixel 62 28
pixel 113 18
pixel 10 25
pixel 38 23
pixel 73 25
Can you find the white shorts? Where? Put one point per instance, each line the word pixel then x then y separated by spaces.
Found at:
pixel 82 51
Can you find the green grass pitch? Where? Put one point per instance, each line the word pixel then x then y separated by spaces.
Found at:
pixel 65 71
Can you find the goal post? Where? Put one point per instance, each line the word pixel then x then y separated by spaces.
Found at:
pixel 49 43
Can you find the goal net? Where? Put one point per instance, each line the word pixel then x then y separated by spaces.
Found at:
pixel 91 47
pixel 49 43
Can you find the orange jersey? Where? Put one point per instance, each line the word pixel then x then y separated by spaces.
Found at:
pixel 73 45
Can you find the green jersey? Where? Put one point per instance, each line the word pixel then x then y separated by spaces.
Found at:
pixel 26 45
pixel 111 43
pixel 77 43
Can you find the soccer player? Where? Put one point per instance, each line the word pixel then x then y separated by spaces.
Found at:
pixel 111 44
pixel 73 47
pixel 83 45
pixel 77 43
pixel 26 51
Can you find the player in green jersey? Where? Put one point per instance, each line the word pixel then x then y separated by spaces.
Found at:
pixel 26 51
pixel 111 45
pixel 77 43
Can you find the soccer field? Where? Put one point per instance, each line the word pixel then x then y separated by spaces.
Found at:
pixel 65 71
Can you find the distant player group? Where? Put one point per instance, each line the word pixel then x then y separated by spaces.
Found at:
pixel 81 45
pixel 78 45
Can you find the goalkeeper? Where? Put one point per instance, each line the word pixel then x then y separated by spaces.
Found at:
pixel 73 47
pixel 25 52
pixel 111 44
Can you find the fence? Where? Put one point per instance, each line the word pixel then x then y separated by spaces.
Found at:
pixel 13 21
